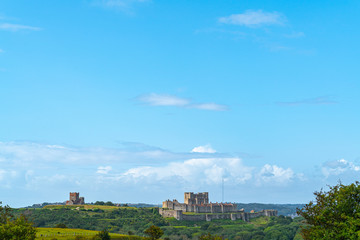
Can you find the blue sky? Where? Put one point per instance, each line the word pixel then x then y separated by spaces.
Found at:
pixel 141 100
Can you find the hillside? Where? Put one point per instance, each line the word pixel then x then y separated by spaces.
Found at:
pixel 133 221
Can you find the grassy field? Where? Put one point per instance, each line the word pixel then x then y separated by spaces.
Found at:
pixel 70 234
pixel 87 207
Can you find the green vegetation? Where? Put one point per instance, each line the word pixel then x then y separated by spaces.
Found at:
pixel 84 207
pixel 15 228
pixel 91 217
pixel 132 223
pixel 103 235
pixel 267 228
pixel 154 232
pixel 66 234
pixel 334 215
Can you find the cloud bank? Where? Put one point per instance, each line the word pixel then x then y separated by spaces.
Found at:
pixel 46 172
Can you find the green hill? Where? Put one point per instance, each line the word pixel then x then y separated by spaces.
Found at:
pixel 133 221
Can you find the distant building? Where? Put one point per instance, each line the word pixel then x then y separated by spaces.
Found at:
pixel 206 211
pixel 75 199
pixel 199 203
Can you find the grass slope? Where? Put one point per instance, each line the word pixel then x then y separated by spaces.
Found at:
pixel 87 207
pixel 70 234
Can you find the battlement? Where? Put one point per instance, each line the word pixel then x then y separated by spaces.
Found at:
pixel 196 198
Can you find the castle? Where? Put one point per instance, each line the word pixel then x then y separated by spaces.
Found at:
pixel 75 199
pixel 198 203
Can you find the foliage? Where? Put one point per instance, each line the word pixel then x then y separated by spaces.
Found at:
pixel 103 235
pixel 12 228
pixel 334 215
pixel 154 232
pixel 129 220
pixel 60 225
pixel 209 237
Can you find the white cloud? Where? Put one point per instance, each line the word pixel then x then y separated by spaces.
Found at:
pixel 339 167
pixel 274 174
pixel 323 100
pixel 104 170
pixel 6 177
pixel 203 149
pixel 2 174
pixel 154 99
pixel 295 35
pixel 40 168
pixel 17 27
pixel 251 18
pixel 122 5
pixel 210 106
pixel 193 171
pixel 1 50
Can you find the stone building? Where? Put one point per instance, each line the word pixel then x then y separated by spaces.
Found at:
pixel 199 203
pixel 206 211
pixel 75 199
pixel 196 198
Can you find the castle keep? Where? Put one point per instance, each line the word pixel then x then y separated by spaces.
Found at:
pixel 199 203
pixel 75 199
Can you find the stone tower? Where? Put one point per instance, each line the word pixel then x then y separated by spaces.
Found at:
pixel 196 198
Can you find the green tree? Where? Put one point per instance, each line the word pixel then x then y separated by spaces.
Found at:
pixel 61 225
pixel 334 215
pixel 108 203
pixel 103 235
pixel 154 232
pixel 209 237
pixel 12 228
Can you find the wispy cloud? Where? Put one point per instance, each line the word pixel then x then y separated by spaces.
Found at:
pixel 122 5
pixel 274 174
pixel 339 167
pixel 295 35
pixel 104 170
pixel 325 100
pixel 210 106
pixel 252 18
pixel 154 99
pixel 204 149
pixel 17 27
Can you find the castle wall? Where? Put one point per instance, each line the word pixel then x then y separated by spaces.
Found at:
pixel 245 216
